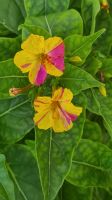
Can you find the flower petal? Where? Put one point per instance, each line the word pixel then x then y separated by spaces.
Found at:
pixel 37 75
pixel 71 109
pixel 42 103
pixel 52 70
pixel 34 44
pixel 24 60
pixel 57 56
pixel 52 43
pixel 60 123
pixel 62 94
pixel 43 120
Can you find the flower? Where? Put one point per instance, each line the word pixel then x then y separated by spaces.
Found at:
pixel 40 57
pixel 57 112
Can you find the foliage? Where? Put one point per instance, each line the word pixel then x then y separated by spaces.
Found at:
pixel 41 164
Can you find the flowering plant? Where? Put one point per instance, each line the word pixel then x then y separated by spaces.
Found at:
pixel 55 100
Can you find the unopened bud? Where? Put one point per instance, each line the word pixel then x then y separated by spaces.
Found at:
pixel 103 91
pixel 75 59
pixel 16 91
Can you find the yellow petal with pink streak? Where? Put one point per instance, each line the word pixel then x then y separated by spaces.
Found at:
pixel 52 43
pixel 62 94
pixel 60 123
pixel 24 60
pixel 42 103
pixel 52 70
pixel 43 119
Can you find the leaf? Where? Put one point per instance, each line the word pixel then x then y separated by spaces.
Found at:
pixel 59 24
pixel 71 192
pixel 8 47
pixel 43 7
pixel 54 154
pixel 90 9
pixel 77 79
pixel 10 15
pixel 107 67
pixel 10 77
pixel 23 170
pixel 15 119
pixel 93 163
pixel 6 184
pixel 77 45
pixel 28 29
pixel 104 44
pixel 93 65
pixel 100 105
pixel 92 131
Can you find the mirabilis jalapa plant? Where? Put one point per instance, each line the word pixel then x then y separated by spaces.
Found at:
pixel 56 100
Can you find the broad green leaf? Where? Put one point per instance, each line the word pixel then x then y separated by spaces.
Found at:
pixel 92 131
pixel 90 9
pixel 100 105
pixel 28 29
pixel 91 165
pixel 10 77
pixel 75 4
pixel 93 65
pixel 77 45
pixel 6 184
pixel 10 15
pixel 71 192
pixel 8 47
pixel 102 194
pixel 43 7
pixel 15 119
pixel 107 67
pixel 104 44
pixel 77 79
pixel 3 31
pixel 23 170
pixel 54 154
pixel 59 24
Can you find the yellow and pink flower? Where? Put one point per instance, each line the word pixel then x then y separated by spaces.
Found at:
pixel 40 57
pixel 57 112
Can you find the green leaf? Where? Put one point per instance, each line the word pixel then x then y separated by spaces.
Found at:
pixel 10 15
pixel 91 165
pixel 6 184
pixel 43 7
pixel 92 131
pixel 71 192
pixel 60 24
pixel 23 170
pixel 29 29
pixel 15 119
pixel 54 154
pixel 104 44
pixel 10 77
pixel 93 65
pixel 77 45
pixel 90 9
pixel 77 79
pixel 8 47
pixel 100 105
pixel 107 67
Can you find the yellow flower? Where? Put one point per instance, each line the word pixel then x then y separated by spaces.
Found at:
pixel 57 112
pixel 40 57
